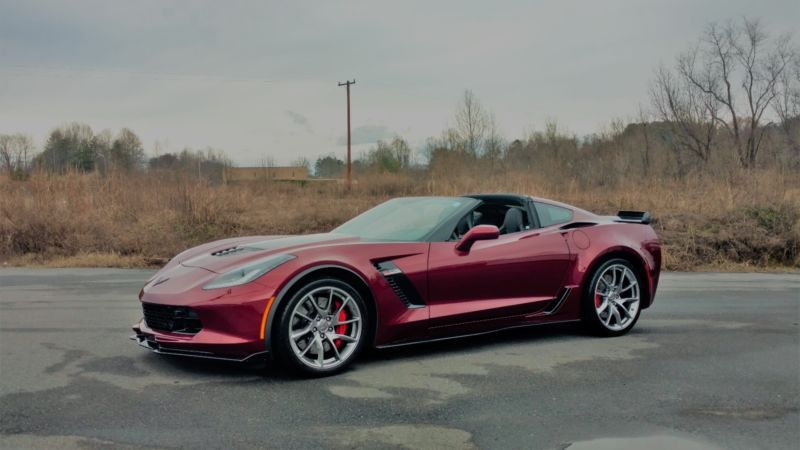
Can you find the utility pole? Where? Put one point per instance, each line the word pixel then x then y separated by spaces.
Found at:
pixel 349 163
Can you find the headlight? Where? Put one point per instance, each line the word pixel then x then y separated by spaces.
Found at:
pixel 248 273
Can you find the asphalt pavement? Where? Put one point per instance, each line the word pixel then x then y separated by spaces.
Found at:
pixel 715 363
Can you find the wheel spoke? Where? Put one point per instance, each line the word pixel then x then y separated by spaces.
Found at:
pixel 321 353
pixel 615 313
pixel 330 302
pixel 333 346
pixel 632 279
pixel 308 347
pixel 301 333
pixel 624 310
pixel 343 337
pixel 310 298
pixel 345 322
pixel 299 314
pixel 602 307
pixel 341 307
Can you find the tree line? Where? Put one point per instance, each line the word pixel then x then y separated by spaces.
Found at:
pixel 731 101
pixel 76 147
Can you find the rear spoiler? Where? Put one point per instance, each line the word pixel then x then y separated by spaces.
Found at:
pixel 633 217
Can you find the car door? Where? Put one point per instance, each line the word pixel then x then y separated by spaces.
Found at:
pixel 497 280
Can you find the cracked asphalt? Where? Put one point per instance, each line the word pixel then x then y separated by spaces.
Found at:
pixel 715 363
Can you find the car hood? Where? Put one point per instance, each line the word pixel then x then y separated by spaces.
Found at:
pixel 228 254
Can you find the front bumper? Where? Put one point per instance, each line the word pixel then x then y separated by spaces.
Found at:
pixel 170 344
pixel 230 322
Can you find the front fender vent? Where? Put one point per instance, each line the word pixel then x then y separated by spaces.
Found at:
pixel 400 284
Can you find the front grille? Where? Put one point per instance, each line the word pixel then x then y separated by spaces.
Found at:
pixel 178 319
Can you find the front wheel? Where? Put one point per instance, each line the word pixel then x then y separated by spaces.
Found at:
pixel 322 328
pixel 611 301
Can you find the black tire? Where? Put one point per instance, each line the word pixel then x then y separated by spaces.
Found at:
pixel 591 318
pixel 285 351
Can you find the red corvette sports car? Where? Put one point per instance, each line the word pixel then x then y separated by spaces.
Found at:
pixel 409 270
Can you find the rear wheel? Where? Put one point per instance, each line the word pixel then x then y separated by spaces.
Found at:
pixel 322 328
pixel 611 301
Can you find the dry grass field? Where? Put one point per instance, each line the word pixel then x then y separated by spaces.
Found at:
pixel 741 221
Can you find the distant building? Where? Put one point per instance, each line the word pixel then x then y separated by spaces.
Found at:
pixel 251 174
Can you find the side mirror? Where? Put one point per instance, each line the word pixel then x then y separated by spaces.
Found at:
pixel 477 233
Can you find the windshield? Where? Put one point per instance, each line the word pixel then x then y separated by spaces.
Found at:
pixel 403 219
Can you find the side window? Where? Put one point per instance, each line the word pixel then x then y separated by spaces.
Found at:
pixel 552 214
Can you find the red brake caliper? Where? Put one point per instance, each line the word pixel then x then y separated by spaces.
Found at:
pixel 340 329
pixel 597 301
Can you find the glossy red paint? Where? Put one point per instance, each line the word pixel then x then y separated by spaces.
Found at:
pixel 495 282
pixel 515 274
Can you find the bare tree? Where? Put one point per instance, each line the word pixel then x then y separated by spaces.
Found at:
pixel 302 161
pixel 690 113
pixel 553 137
pixel 101 142
pixel 738 66
pixel 494 143
pixel 15 150
pixel 472 123
pixel 401 150
pixel 6 152
pixel 644 122
pixel 787 104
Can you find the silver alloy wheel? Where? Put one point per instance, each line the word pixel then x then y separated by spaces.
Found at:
pixel 616 297
pixel 325 328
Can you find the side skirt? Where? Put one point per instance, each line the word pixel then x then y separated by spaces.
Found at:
pixel 480 333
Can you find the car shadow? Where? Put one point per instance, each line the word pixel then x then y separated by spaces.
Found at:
pixel 454 346
pixel 268 369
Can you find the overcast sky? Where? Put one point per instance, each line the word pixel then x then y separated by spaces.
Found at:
pixel 258 79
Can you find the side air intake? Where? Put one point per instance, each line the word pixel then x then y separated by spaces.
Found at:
pixel 400 284
pixel 557 302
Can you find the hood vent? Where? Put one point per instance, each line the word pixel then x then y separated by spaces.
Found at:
pixel 227 251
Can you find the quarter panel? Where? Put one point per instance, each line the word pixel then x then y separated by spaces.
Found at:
pixel 592 244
